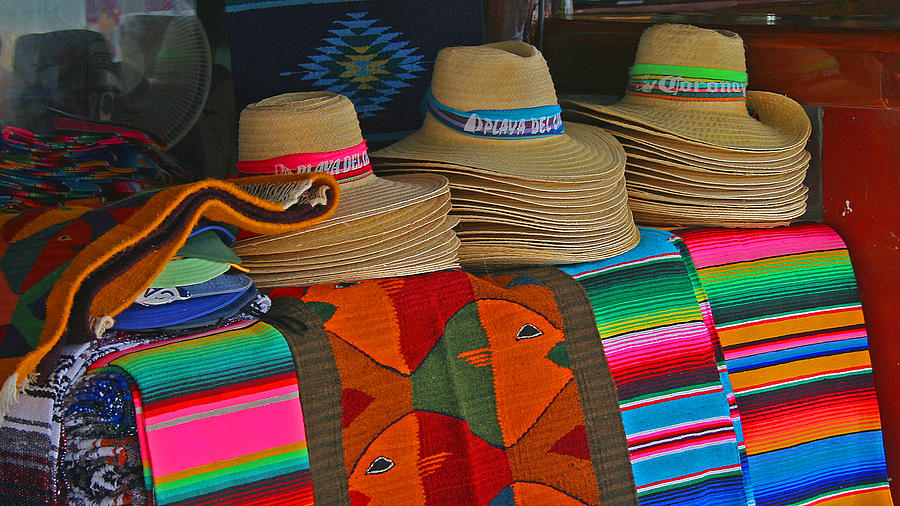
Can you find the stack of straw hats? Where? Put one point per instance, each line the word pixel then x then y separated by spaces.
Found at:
pixel 526 187
pixel 382 226
pixel 702 150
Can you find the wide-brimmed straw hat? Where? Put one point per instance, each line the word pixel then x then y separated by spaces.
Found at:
pixel 692 82
pixel 319 131
pixel 494 107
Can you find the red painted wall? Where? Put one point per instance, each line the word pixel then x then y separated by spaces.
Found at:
pixel 861 200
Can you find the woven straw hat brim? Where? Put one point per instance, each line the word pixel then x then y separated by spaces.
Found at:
pixel 478 255
pixel 481 230
pixel 666 220
pixel 545 239
pixel 596 221
pixel 639 182
pixel 528 194
pixel 724 201
pixel 538 197
pixel 379 242
pixel 635 150
pixel 702 178
pixel 467 176
pixel 583 153
pixel 617 219
pixel 800 163
pixel 587 248
pixel 702 154
pixel 548 228
pixel 356 234
pixel 338 229
pixel 559 207
pixel 437 256
pixel 500 227
pixel 671 143
pixel 388 247
pixel 694 211
pixel 782 123
pixel 375 194
pixel 442 253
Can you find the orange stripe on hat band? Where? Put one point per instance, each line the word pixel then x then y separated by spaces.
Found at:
pixel 679 87
pixel 687 99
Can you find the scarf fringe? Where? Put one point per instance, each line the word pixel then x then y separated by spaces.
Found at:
pixel 286 194
pixel 9 392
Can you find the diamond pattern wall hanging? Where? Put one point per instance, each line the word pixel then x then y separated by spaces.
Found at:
pixel 366 62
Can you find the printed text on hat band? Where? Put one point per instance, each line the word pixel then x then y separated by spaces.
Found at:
pixel 527 123
pixel 345 164
pixel 687 83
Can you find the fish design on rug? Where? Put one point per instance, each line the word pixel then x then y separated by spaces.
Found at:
pixel 499 365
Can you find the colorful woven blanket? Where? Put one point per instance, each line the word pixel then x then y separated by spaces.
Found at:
pixel 787 312
pixel 46 170
pixel 446 388
pixel 62 267
pixel 219 418
pixel 681 436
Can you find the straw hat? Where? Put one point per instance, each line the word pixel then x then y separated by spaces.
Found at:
pixel 319 131
pixel 494 107
pixel 383 226
pixel 527 187
pixel 692 83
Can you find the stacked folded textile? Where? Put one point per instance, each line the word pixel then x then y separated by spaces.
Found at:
pixel 786 309
pixel 683 442
pixel 527 188
pixel 44 170
pixel 382 227
pixel 221 421
pixel 702 150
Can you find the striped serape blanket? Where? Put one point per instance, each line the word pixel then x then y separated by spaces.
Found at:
pixel 219 418
pixel 447 388
pixel 682 440
pixel 788 316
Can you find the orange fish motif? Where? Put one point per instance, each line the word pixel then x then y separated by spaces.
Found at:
pixel 428 458
pixel 383 318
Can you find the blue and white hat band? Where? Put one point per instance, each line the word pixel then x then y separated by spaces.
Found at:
pixel 527 123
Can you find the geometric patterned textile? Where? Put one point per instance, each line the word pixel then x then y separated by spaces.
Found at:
pixel 378 64
pixel 788 316
pixel 378 54
pixel 447 388
pixel 682 442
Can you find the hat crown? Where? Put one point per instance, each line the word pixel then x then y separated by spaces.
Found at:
pixel 301 122
pixel 500 75
pixel 691 46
